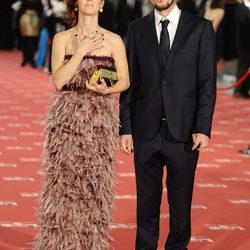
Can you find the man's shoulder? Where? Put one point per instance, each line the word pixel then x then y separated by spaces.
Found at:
pixel 195 18
pixel 196 21
pixel 142 21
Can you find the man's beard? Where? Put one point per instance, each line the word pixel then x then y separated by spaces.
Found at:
pixel 165 7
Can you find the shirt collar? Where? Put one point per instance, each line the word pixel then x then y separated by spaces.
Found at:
pixel 173 16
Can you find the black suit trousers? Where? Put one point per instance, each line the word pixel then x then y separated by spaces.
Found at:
pixel 150 159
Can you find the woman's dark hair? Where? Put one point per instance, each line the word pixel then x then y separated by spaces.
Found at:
pixel 217 4
pixel 72 11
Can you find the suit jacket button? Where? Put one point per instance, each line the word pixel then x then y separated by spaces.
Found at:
pixel 164 83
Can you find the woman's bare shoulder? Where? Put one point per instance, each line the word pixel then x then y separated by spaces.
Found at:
pixel 219 11
pixel 112 37
pixel 63 36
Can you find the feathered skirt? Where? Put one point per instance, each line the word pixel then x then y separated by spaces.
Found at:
pixel 76 200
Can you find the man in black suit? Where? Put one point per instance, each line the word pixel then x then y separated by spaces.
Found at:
pixel 166 114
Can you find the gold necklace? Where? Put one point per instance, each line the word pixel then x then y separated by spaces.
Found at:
pixel 91 35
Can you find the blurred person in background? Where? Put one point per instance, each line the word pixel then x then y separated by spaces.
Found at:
pixel 127 11
pixel 46 33
pixel 54 23
pixel 243 44
pixel 146 7
pixel 29 22
pixel 17 37
pixel 201 6
pixel 6 24
pixel 215 12
pixel 229 48
pixel 188 5
pixel 107 17
pixel 59 9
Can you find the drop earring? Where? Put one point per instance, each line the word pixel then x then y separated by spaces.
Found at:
pixel 101 10
pixel 76 9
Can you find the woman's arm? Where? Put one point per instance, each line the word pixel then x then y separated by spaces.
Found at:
pixel 218 16
pixel 128 98
pixel 215 16
pixel 121 65
pixel 62 73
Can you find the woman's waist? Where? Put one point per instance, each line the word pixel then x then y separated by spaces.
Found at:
pixel 30 12
pixel 81 93
pixel 72 88
pixel 73 102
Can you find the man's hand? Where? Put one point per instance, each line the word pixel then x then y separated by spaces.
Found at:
pixel 126 144
pixel 200 141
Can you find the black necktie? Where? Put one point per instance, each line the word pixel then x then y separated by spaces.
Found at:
pixel 164 42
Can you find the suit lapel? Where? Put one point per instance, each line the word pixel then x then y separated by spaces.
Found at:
pixel 152 38
pixel 179 39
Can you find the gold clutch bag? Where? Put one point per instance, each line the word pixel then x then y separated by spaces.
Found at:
pixel 109 74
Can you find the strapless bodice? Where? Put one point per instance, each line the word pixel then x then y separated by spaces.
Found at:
pixel 85 71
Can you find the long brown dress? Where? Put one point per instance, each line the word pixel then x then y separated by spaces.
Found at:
pixel 80 147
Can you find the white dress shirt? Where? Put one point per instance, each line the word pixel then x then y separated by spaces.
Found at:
pixel 173 17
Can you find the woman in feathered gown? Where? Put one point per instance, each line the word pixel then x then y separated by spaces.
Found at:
pixel 81 130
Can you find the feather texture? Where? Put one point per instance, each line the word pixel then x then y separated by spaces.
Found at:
pixel 76 200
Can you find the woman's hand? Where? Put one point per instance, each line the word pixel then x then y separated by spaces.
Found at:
pixel 88 44
pixel 101 88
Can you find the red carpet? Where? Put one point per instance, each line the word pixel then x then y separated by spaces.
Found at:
pixel 221 201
